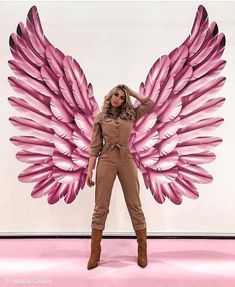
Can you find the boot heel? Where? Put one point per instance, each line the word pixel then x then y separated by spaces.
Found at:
pixel 99 256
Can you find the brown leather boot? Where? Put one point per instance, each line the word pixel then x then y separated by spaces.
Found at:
pixel 142 247
pixel 96 237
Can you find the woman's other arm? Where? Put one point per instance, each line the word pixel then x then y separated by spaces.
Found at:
pixel 96 145
pixel 91 166
pixel 145 106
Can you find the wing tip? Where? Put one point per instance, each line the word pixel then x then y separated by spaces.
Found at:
pixel 32 11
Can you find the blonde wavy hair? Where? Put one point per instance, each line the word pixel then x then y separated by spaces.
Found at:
pixel 125 111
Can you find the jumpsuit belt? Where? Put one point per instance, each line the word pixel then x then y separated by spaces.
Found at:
pixel 111 146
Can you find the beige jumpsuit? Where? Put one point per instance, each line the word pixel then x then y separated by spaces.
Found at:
pixel 114 159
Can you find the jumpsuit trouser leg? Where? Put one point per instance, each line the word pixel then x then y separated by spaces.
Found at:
pixel 110 165
pixel 106 172
pixel 128 176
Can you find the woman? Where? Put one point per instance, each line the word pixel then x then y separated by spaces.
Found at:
pixel 114 124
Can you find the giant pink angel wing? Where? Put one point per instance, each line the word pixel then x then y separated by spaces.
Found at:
pixel 170 142
pixel 59 106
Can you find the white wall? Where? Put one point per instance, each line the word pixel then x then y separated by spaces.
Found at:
pixel 117 42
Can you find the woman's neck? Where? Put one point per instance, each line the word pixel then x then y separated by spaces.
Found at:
pixel 114 110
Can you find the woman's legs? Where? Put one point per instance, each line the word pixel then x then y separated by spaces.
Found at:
pixel 107 169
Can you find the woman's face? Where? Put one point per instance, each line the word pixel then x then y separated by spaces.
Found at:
pixel 118 98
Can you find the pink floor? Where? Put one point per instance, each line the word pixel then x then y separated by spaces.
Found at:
pixel 171 262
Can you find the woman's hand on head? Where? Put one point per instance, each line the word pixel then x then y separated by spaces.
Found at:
pixel 130 91
pixel 89 180
pixel 127 88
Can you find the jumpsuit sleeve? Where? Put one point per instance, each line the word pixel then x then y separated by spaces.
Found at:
pixel 145 106
pixel 96 143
